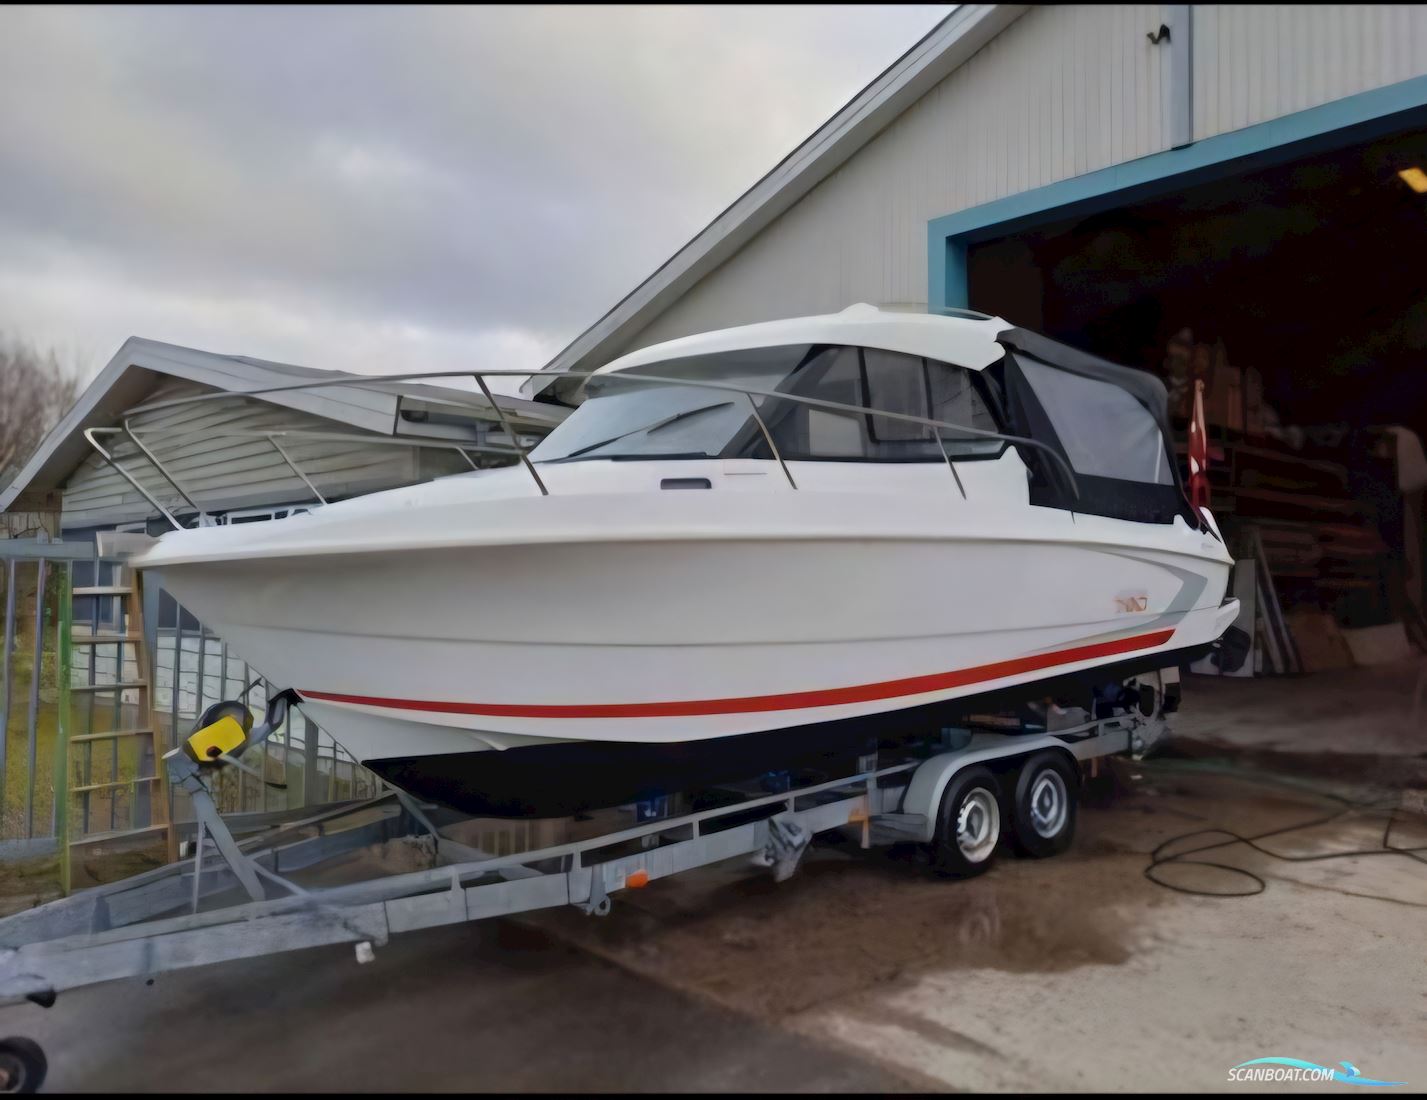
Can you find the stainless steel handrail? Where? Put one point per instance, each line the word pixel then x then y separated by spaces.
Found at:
pixel 293 466
pixel 629 376
pixel 90 434
pixel 768 438
pixel 510 431
pixel 334 437
pixel 939 427
pixel 134 434
pixel 159 466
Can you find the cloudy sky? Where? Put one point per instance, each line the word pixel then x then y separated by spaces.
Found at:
pixel 388 189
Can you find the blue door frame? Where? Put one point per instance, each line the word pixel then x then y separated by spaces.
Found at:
pixel 1334 125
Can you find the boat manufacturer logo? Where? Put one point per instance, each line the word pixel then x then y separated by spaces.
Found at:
pixel 1297 1070
pixel 1129 604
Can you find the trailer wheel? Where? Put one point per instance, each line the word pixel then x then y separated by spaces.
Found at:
pixel 968 824
pixel 1043 806
pixel 22 1065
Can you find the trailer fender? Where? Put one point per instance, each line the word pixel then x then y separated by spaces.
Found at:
pixel 923 795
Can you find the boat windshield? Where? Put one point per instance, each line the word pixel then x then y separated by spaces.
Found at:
pixel 624 419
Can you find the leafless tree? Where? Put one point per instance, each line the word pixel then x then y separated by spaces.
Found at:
pixel 35 391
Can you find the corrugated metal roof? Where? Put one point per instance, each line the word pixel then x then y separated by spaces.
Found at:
pixel 129 377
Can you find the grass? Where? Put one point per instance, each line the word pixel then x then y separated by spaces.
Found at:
pixel 28 882
pixel 18 781
pixel 113 761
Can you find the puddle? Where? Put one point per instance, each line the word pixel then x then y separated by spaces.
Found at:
pixel 847 922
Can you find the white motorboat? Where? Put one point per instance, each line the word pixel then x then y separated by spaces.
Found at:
pixel 793 526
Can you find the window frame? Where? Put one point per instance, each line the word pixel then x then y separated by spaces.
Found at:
pixel 801 382
pixel 979 384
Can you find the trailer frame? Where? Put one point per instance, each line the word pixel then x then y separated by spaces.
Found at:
pixel 135 928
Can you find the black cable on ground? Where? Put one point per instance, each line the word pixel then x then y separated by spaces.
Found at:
pixel 1161 856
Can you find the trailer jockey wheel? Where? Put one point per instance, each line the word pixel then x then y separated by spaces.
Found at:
pixel 1043 804
pixel 22 1065
pixel 968 824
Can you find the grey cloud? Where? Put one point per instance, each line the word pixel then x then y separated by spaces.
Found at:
pixel 304 178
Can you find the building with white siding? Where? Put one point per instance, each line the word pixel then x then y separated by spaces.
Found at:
pixel 1008 116
pixel 1233 195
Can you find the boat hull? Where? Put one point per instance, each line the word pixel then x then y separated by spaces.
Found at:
pixel 560 779
pixel 465 649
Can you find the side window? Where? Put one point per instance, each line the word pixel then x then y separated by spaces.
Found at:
pixel 957 398
pixel 890 382
pixel 897 383
pixel 833 435
pixel 834 376
pixel 806 431
pixel 1105 431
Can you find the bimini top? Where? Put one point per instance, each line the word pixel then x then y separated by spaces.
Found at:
pixel 1108 422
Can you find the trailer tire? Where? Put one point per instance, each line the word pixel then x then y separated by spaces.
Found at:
pixel 968 824
pixel 22 1065
pixel 1043 805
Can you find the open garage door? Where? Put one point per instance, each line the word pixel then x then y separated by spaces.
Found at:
pixel 1297 295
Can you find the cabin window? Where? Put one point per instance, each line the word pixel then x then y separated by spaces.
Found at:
pixel 622 419
pixel 886 381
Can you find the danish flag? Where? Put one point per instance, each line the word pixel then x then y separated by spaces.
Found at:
pixel 1198 452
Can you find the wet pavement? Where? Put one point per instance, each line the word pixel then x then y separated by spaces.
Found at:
pixel 1366 712
pixel 488 1007
pixel 1077 972
pixel 864 971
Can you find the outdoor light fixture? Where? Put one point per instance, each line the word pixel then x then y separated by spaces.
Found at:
pixel 1415 178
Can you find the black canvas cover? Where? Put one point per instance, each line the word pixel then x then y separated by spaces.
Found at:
pixel 1110 423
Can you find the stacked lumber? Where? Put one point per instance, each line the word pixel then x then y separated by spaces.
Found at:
pixel 1292 550
pixel 1233 395
pixel 1320 538
pixel 1318 639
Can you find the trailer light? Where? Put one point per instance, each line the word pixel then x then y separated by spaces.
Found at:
pixel 636 879
pixel 1415 178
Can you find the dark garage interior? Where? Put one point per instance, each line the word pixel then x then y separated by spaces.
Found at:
pixel 1291 292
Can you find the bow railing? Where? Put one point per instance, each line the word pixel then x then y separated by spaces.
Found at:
pixel 940 429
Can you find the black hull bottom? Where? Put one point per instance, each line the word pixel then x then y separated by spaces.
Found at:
pixel 571 777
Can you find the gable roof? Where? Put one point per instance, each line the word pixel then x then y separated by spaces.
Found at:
pixel 943 49
pixel 365 405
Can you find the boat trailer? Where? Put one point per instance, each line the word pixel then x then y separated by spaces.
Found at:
pixel 230 899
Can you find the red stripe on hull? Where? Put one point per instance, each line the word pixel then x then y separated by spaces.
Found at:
pixel 798 700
